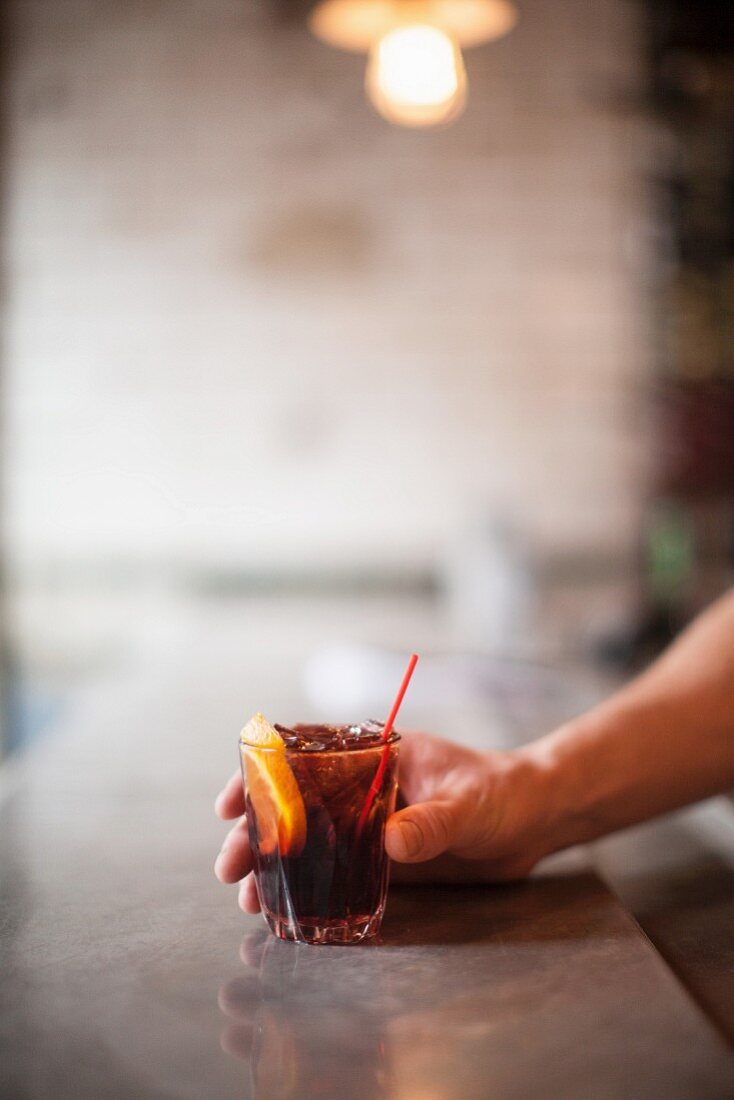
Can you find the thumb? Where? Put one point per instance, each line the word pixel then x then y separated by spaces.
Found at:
pixel 420 832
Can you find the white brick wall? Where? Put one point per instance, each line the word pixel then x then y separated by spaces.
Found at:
pixel 250 325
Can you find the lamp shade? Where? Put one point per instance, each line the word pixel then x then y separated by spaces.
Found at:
pixel 357 24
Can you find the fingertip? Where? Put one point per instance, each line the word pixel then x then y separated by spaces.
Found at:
pixel 420 832
pixel 217 867
pixel 223 871
pixel 229 868
pixel 248 899
pixel 403 840
pixel 230 802
pixel 235 858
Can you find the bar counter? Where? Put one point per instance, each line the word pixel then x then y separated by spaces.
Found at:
pixel 128 971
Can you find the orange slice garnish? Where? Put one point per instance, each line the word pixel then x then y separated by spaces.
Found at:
pixel 273 790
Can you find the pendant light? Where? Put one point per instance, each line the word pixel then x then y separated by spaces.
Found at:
pixel 415 70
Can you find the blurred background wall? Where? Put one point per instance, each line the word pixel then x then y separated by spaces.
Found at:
pixel 252 328
pixel 256 338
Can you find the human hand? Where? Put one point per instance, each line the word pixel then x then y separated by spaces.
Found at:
pixel 470 817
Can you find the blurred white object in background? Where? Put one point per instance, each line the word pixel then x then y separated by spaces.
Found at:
pixel 347 682
pixel 491 590
pixel 345 678
pixel 496 702
pixel 351 679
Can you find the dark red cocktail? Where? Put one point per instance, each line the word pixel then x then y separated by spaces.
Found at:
pixel 321 876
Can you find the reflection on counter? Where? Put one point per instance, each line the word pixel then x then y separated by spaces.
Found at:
pixel 469 993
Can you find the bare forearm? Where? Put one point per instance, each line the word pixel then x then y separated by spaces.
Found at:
pixel 665 740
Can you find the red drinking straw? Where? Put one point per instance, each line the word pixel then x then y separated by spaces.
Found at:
pixel 377 781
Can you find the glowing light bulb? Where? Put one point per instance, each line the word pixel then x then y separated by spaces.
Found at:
pixel 416 76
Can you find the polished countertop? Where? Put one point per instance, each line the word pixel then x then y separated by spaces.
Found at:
pixel 127 971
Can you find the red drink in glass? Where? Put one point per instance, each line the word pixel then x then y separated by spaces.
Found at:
pixel 321 878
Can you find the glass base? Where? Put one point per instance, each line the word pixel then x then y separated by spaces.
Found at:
pixel 312 930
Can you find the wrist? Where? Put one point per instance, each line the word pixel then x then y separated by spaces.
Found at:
pixel 585 773
pixel 554 798
pixel 524 818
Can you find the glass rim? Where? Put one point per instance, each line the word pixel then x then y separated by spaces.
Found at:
pixel 393 739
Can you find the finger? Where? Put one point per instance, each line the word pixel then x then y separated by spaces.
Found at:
pixel 235 859
pixel 415 764
pixel 249 902
pixel 422 831
pixel 230 802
